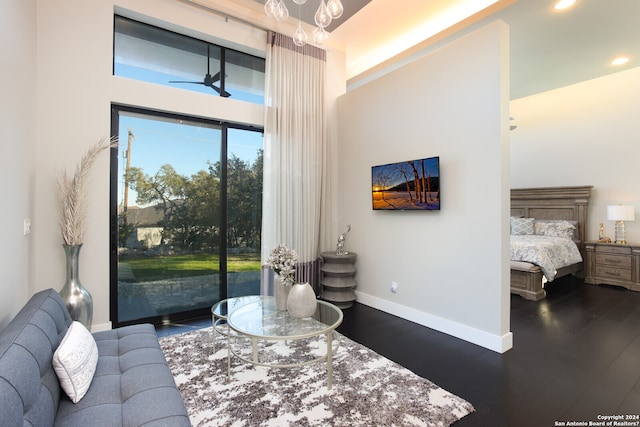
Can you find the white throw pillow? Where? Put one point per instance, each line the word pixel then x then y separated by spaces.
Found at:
pixel 556 228
pixel 75 361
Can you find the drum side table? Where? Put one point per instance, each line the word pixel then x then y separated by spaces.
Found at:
pixel 338 280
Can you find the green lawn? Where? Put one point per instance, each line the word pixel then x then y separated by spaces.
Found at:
pixel 163 267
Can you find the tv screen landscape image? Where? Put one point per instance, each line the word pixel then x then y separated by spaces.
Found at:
pixel 408 185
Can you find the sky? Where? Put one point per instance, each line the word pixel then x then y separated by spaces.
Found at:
pixel 186 146
pixel 393 175
pixel 165 79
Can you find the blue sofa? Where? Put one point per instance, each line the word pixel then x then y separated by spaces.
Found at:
pixel 132 385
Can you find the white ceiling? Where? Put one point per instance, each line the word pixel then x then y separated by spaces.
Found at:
pixel 549 49
pixel 382 30
pixel 552 49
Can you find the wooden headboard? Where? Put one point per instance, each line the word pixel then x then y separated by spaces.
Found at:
pixel 568 203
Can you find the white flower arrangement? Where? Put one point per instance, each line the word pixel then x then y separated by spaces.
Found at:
pixel 283 261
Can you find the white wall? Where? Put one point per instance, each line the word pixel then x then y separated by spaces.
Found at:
pixel 451 265
pixel 75 91
pixel 584 134
pixel 17 145
pixel 460 115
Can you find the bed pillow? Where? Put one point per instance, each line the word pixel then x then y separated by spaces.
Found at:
pixel 75 361
pixel 521 226
pixel 563 229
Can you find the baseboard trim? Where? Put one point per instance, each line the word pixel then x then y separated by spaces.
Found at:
pixel 497 343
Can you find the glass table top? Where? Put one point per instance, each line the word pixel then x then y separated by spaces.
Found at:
pixel 261 318
pixel 222 308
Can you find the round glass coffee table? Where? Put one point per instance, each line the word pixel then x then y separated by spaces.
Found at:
pixel 258 325
pixel 220 311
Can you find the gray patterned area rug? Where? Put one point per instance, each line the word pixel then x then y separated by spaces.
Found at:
pixel 368 389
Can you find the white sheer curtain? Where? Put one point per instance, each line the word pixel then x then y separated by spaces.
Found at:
pixel 294 153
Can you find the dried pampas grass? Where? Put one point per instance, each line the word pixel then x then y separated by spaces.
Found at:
pixel 73 194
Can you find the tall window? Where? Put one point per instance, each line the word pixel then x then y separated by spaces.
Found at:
pixel 186 208
pixel 186 192
pixel 152 54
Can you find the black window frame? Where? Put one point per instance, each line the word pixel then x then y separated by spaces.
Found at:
pixel 113 212
pixel 184 42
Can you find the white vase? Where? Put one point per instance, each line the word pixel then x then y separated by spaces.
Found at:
pixel 302 301
pixel 281 291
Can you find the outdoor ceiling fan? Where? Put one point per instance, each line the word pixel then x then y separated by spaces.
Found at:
pixel 209 80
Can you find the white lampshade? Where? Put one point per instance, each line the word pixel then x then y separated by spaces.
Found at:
pixel 620 213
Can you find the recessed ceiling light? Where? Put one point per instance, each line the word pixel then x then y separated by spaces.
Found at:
pixel 563 4
pixel 620 61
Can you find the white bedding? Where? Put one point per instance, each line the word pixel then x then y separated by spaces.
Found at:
pixel 548 253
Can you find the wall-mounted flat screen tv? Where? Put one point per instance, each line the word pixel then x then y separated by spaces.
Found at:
pixel 408 185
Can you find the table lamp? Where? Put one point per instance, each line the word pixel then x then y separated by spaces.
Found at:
pixel 620 214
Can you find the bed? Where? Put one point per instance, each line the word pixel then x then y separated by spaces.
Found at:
pixel 548 203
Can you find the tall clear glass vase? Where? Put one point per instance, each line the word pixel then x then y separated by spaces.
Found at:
pixel 77 299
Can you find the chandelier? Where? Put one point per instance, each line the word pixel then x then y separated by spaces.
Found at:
pixel 327 11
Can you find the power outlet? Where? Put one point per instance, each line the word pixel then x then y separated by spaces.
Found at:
pixel 394 287
pixel 27 226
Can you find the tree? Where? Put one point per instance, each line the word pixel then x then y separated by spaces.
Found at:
pixel 417 184
pixel 426 183
pixel 382 180
pixel 165 189
pixel 125 228
pixel 191 206
pixel 244 200
pixel 402 169
pixel 257 172
pixel 195 220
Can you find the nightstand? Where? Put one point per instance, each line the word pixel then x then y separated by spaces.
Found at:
pixel 613 264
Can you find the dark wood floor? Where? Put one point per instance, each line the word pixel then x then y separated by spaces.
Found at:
pixel 576 355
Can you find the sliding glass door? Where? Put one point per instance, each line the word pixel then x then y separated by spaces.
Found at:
pixel 186 213
pixel 244 211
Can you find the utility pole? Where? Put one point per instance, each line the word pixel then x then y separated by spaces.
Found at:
pixel 127 155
